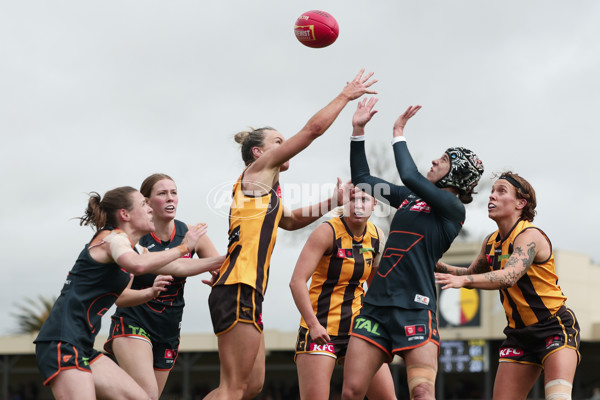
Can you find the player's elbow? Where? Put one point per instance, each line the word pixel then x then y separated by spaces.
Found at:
pixel 314 130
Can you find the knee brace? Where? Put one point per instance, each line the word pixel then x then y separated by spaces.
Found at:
pixel 558 389
pixel 419 373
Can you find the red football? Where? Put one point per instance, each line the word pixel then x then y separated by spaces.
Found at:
pixel 316 29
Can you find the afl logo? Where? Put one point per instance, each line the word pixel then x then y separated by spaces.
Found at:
pixel 255 202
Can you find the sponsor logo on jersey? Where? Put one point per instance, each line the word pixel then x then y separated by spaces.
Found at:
pixel 419 298
pixel 278 192
pixel 510 352
pixel 404 204
pixel 66 358
pixel 344 253
pixel 328 348
pixel 421 206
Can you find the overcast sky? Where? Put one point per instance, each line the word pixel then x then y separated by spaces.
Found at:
pixel 95 95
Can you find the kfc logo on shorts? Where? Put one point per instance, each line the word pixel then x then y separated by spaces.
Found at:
pixel 553 341
pixel 328 348
pixel 344 253
pixel 169 354
pixel 412 330
pixel 510 352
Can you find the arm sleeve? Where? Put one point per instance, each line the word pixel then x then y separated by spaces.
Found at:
pixel 379 188
pixel 442 201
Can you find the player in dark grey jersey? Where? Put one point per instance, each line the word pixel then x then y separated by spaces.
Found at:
pixel 399 313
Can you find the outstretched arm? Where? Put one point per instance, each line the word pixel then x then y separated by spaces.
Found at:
pixel 479 266
pixel 526 247
pixel 445 203
pixel 315 126
pixel 119 249
pixel 361 175
pixel 303 216
pixel 192 266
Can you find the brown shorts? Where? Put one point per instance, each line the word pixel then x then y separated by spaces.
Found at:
pixel 336 348
pixel 533 343
pixel 230 304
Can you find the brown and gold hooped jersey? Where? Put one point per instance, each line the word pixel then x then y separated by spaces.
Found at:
pixel 253 222
pixel 536 295
pixel 336 288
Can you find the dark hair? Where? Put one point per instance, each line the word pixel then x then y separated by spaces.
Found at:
pixel 466 198
pixel 149 182
pixel 250 139
pixel 101 212
pixel 524 191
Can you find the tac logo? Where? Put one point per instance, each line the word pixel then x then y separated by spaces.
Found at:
pixel 412 330
pixel 329 348
pixel 510 352
pixel 344 253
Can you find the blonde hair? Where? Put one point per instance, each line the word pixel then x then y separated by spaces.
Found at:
pixel 250 139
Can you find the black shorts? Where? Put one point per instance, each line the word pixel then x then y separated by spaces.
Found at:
pixel 54 357
pixel 336 348
pixel 164 351
pixel 533 343
pixel 394 330
pixel 230 304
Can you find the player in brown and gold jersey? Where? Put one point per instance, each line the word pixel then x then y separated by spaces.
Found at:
pixel 256 212
pixel 517 259
pixel 339 257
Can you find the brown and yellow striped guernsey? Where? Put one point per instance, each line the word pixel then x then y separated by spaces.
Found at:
pixel 253 222
pixel 536 295
pixel 336 288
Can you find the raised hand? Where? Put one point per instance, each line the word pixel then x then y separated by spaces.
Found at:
pixel 364 112
pixel 359 85
pixel 403 119
pixel 341 193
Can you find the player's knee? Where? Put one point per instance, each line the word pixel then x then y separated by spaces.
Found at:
pixel 253 390
pixel 421 382
pixel 350 391
pixel 137 396
pixel 423 391
pixel 558 389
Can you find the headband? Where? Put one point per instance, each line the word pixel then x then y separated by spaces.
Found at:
pixel 514 182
